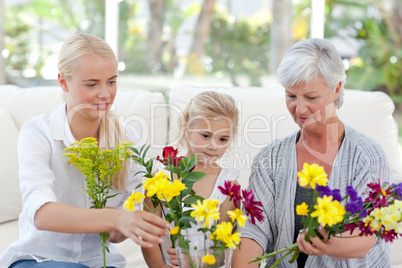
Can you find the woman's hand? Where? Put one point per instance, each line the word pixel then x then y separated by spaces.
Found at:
pixel 142 227
pixel 316 246
pixel 345 246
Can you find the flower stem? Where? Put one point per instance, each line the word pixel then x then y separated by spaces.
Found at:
pixel 268 255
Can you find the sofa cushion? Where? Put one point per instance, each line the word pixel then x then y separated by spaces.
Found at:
pixel 264 117
pixel 134 107
pixel 10 195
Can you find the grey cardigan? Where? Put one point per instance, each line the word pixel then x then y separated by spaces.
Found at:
pixel 360 161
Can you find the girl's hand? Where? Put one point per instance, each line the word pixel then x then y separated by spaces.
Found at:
pixel 316 246
pixel 116 237
pixel 173 257
pixel 142 227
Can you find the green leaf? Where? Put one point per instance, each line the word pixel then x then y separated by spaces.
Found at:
pixel 194 176
pixel 192 199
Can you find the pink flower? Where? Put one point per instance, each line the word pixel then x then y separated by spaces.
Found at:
pixel 252 207
pixel 232 191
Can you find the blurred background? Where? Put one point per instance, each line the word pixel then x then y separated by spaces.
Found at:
pixel 162 43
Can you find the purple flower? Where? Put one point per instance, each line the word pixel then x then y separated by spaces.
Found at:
pixel 352 207
pixel 336 195
pixel 323 190
pixel 398 191
pixel 351 192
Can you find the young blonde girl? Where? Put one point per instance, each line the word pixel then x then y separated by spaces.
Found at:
pixel 57 227
pixel 208 126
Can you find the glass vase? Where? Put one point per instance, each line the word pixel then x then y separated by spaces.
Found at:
pixel 192 257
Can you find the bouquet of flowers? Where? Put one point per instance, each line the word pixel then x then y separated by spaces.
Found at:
pixel 99 167
pixel 172 188
pixel 380 214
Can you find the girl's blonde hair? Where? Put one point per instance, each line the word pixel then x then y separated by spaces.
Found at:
pixel 111 132
pixel 208 105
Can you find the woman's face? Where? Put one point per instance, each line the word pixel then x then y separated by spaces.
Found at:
pixel 312 105
pixel 92 87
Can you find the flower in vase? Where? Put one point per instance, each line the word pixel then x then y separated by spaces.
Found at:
pixel 251 207
pixel 224 233
pixel 174 231
pixel 208 259
pixel 232 191
pixel 134 198
pixel 311 175
pixel 169 154
pixel 206 210
pixel 237 215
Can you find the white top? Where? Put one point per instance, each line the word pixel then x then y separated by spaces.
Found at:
pixel 45 176
pixel 229 174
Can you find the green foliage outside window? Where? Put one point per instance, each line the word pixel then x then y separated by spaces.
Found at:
pixel 238 48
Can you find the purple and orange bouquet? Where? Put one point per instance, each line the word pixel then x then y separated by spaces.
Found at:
pixel 172 188
pixel 380 214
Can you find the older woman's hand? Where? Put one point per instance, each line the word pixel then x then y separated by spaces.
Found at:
pixel 316 246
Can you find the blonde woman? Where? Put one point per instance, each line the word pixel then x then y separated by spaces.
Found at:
pixel 57 228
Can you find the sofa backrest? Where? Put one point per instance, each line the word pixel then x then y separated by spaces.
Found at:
pixel 264 118
pixel 17 105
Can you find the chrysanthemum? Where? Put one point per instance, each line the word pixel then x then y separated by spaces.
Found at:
pixel 302 209
pixel 237 215
pixel 233 191
pixel 134 198
pixel 311 175
pixel 208 259
pixel 223 233
pixel 328 212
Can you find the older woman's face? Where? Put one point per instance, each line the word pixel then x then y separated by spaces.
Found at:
pixel 313 104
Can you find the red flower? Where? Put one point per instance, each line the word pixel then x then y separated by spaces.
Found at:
pixel 169 156
pixel 378 196
pixel 232 191
pixel 252 207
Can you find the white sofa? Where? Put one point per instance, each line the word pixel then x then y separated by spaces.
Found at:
pixel 263 117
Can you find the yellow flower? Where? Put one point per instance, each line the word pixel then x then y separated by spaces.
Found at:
pixel 158 187
pixel 199 210
pixel 302 209
pixel 328 212
pixel 208 259
pixel 205 211
pixel 375 225
pixel 173 189
pixel 312 174
pixel 223 233
pixel 213 203
pixel 237 215
pixel 151 181
pixel 175 230
pixel 134 198
pixel 210 216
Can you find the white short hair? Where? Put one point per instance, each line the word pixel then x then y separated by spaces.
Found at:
pixel 309 59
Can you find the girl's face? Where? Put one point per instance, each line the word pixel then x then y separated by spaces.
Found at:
pixel 92 87
pixel 208 138
pixel 312 105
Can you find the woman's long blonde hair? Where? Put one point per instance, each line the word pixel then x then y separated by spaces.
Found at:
pixel 111 132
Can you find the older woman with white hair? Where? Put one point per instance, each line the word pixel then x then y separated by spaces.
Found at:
pixel 313 75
